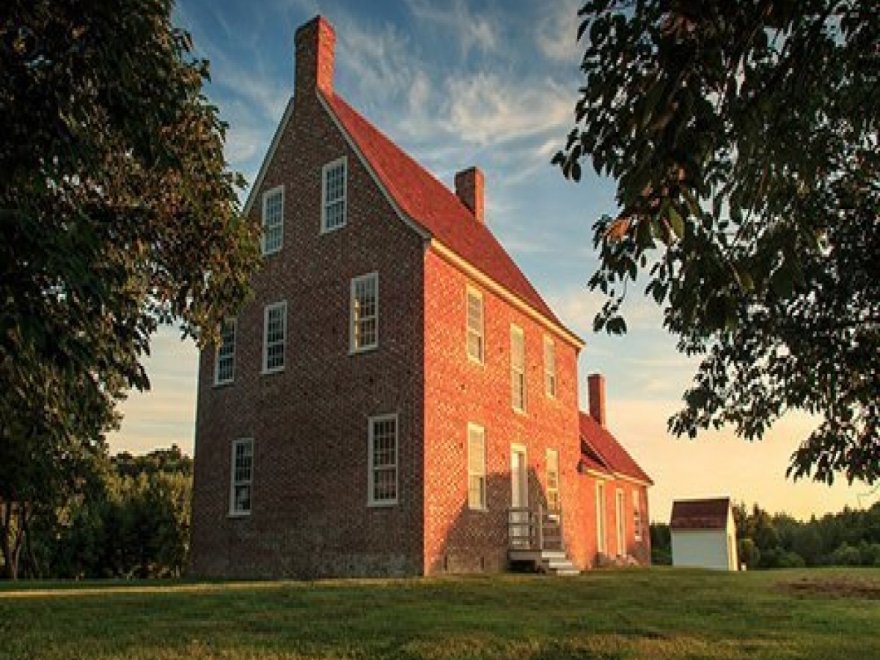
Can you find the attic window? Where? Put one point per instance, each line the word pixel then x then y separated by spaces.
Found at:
pixel 333 193
pixel 273 220
pixel 549 367
pixel 517 368
pixel 475 325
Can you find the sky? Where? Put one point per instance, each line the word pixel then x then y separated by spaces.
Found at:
pixel 491 84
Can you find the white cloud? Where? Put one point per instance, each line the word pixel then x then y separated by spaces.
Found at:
pixel 486 109
pixel 378 58
pixel 472 30
pixel 555 34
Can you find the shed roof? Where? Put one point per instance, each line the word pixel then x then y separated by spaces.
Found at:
pixel 700 514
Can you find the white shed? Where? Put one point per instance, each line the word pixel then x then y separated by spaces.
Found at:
pixel 704 534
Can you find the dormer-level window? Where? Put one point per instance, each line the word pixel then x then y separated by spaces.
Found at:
pixel 273 220
pixel 333 195
pixel 224 362
pixel 475 325
pixel 518 368
pixel 549 368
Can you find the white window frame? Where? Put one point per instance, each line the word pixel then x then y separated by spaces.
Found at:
pixel 282 305
pixel 600 518
pixel 549 367
pixel 552 490
pixel 620 513
pixel 371 468
pixel 342 160
pixel 637 515
pixel 263 225
pixel 352 347
pixel 233 483
pixel 217 357
pixel 468 330
pixel 518 372
pixel 471 473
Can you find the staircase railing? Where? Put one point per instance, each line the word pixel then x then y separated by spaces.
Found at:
pixel 535 528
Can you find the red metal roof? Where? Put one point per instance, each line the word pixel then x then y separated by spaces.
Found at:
pixel 700 514
pixel 610 453
pixel 435 207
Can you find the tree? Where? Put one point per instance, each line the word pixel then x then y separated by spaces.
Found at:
pixel 117 214
pixel 743 137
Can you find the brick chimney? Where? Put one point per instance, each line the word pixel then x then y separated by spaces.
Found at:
pixel 469 189
pixel 315 42
pixel 596 389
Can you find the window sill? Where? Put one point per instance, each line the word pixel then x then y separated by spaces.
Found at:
pixel 330 230
pixel 382 505
pixel 520 411
pixel 479 509
pixel 270 254
pixel 223 385
pixel 363 349
pixel 475 361
pixel 269 372
pixel 239 514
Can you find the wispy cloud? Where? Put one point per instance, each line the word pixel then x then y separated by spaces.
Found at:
pixel 471 30
pixel 487 109
pixel 379 57
pixel 556 33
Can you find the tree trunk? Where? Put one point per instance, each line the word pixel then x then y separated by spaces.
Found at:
pixel 4 539
pixel 13 532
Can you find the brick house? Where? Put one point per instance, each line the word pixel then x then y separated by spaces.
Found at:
pixel 396 398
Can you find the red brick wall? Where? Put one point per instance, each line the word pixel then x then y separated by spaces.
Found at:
pixel 641 550
pixel 309 423
pixel 458 391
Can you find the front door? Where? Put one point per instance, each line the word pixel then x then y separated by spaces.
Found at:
pixel 519 497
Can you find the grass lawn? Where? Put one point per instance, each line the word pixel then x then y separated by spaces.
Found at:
pixel 656 613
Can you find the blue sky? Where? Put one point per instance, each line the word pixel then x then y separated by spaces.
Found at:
pixel 492 84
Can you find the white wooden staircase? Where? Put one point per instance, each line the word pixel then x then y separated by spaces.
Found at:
pixel 537 543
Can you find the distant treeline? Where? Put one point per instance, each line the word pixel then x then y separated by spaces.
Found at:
pixel 130 520
pixel 848 538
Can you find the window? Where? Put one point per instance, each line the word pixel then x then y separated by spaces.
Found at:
pixel 364 312
pixel 274 337
pixel 224 362
pixel 552 480
pixel 600 516
pixel 242 475
pixel 476 467
pixel 517 368
pixel 475 325
pixel 273 220
pixel 621 523
pixel 549 368
pixel 382 475
pixel 637 516
pixel 333 192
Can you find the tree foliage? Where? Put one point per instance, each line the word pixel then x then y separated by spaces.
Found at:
pixel 743 137
pixel 131 521
pixel 117 213
pixel 848 538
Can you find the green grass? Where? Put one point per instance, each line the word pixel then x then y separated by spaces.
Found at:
pixel 657 613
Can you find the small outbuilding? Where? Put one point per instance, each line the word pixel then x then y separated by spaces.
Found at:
pixel 704 534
